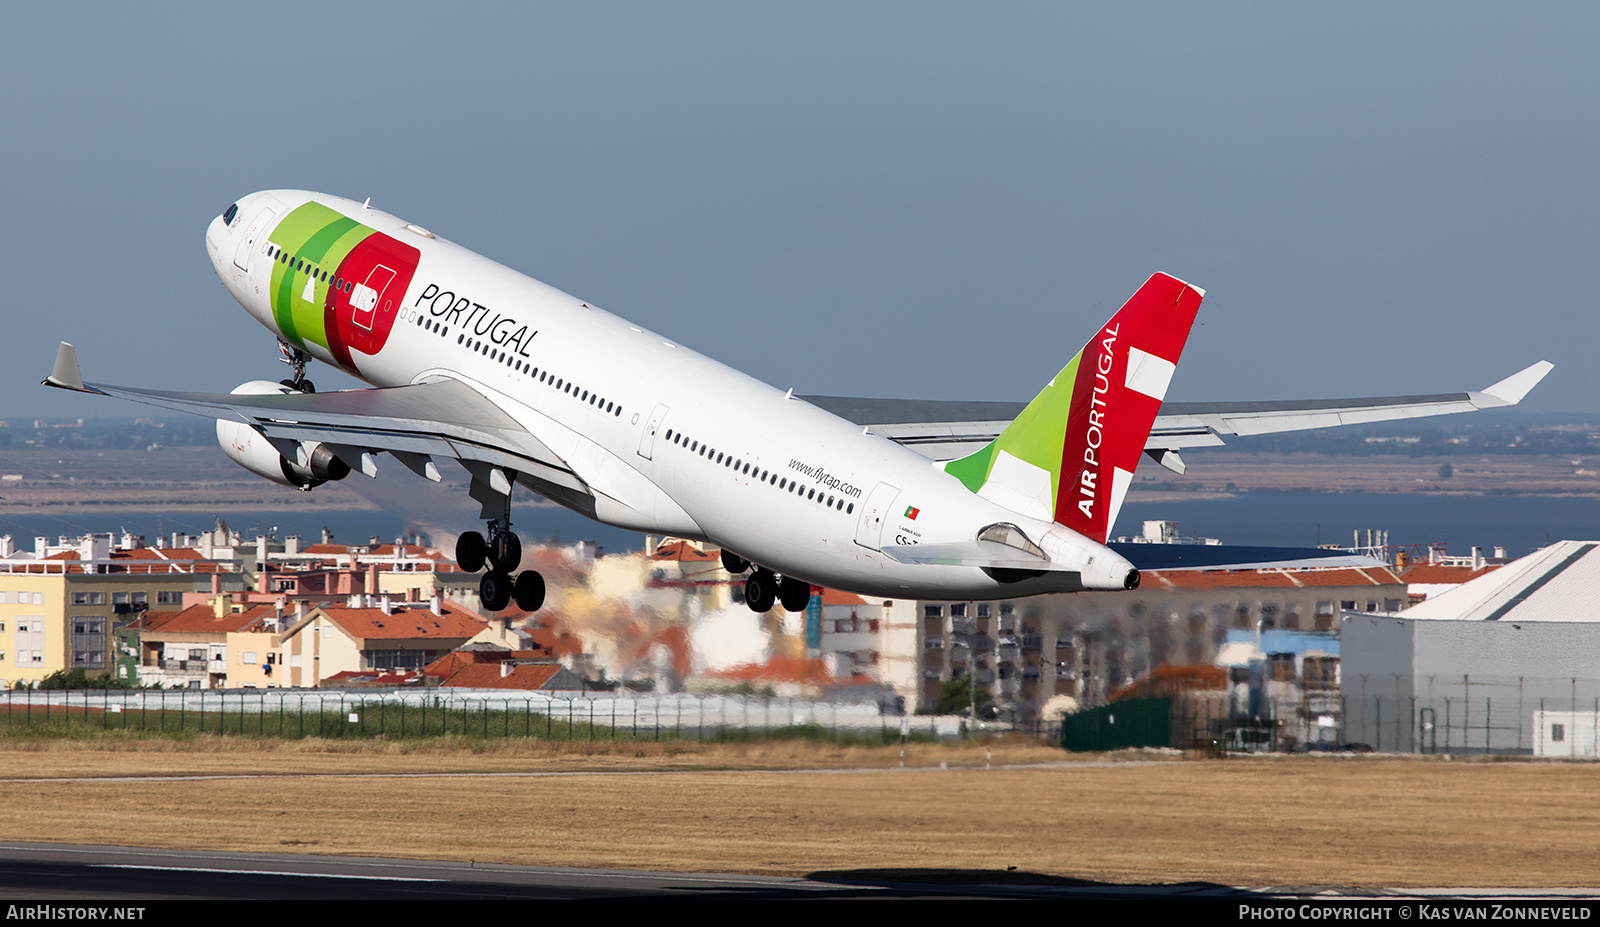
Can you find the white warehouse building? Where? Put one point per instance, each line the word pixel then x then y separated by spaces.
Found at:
pixel 1508 662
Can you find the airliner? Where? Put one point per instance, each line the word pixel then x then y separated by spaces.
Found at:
pixel 526 385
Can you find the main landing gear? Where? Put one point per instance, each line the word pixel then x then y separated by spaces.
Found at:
pixel 502 553
pixel 764 589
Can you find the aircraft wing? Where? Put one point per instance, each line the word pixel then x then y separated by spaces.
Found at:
pixel 444 418
pixel 944 430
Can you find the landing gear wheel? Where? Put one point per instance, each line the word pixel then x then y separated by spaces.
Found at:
pixel 794 594
pixel 506 551
pixel 529 591
pixel 734 563
pixel 760 591
pixel 471 550
pixel 304 386
pixel 494 591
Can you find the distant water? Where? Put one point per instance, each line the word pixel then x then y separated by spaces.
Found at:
pixel 1521 524
pixel 348 527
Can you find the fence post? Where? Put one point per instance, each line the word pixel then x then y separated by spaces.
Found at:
pixel 1521 714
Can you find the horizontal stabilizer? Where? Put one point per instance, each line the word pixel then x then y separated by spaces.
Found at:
pixel 1146 557
pixel 969 554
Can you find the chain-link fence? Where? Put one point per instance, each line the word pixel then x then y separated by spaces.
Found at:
pixel 1446 715
pixel 477 714
pixel 1472 714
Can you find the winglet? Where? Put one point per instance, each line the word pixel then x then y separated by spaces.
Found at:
pixel 1509 392
pixel 65 374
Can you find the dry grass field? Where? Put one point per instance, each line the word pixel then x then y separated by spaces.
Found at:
pixel 795 808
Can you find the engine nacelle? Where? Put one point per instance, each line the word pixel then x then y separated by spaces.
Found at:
pixel 313 464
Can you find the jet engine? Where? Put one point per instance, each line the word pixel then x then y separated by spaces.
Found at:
pixel 313 464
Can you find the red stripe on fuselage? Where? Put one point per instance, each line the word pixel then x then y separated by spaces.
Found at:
pixel 388 266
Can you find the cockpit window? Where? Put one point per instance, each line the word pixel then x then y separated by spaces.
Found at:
pixel 229 213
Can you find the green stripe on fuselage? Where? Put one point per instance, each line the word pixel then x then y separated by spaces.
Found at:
pixel 322 237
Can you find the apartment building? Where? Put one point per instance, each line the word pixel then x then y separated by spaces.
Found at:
pixel 61 604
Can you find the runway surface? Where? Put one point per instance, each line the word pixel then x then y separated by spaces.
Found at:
pixel 70 873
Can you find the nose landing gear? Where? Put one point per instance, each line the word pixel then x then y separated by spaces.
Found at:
pixel 297 360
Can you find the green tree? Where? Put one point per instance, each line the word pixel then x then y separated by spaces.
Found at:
pixel 955 697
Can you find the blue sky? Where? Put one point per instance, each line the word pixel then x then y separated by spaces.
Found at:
pixel 914 200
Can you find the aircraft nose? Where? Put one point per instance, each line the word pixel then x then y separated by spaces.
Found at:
pixel 216 237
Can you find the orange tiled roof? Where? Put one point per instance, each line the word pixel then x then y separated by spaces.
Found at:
pixel 150 621
pixel 448 664
pixel 1440 574
pixel 835 597
pixel 405 624
pixel 1167 679
pixel 202 619
pixel 489 676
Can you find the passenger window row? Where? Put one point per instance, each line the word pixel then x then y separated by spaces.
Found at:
pixel 511 360
pixel 783 484
pixel 301 265
pixel 437 328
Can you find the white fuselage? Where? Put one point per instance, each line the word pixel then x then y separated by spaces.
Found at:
pixel 670 441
